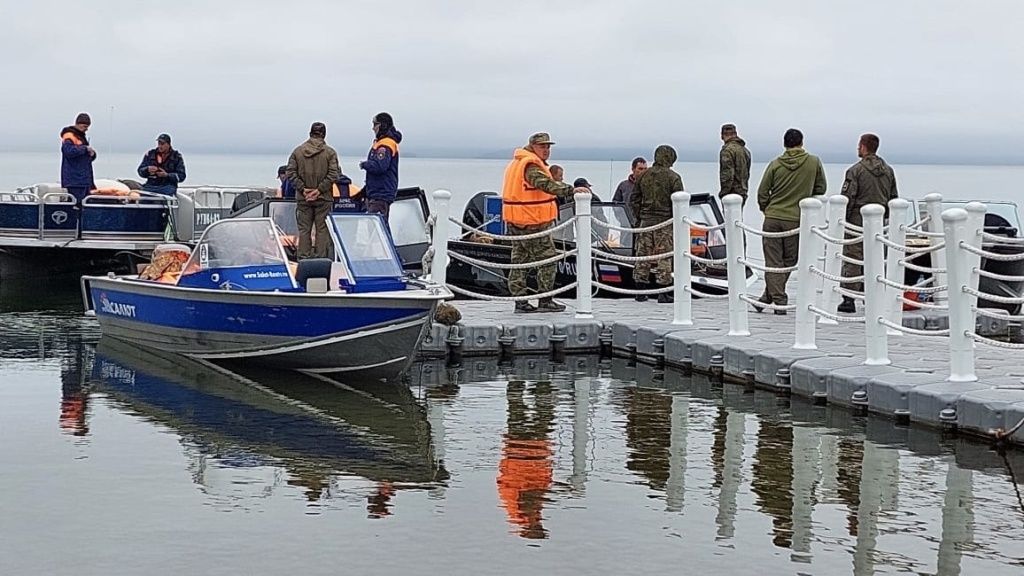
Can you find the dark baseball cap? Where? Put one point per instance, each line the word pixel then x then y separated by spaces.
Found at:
pixel 581 182
pixel 166 139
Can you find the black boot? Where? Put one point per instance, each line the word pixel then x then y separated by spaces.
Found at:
pixel 641 286
pixel 666 298
pixel 524 307
pixel 549 305
pixel 847 306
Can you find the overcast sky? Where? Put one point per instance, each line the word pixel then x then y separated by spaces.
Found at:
pixel 934 78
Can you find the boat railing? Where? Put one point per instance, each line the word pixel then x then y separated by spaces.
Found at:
pixel 141 216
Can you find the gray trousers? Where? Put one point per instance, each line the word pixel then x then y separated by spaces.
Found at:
pixel 310 215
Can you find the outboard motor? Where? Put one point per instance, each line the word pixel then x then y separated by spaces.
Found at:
pixel 246 199
pixel 483 211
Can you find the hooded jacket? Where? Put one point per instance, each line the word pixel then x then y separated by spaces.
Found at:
pixel 870 181
pixel 734 168
pixel 651 200
pixel 172 163
pixel 381 166
pixel 313 164
pixel 76 162
pixel 790 178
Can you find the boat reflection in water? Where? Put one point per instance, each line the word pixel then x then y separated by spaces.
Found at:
pixel 244 428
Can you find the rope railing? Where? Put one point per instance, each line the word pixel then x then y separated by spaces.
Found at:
pixel 634 291
pixel 917 225
pixel 852 294
pixel 841 241
pixel 702 226
pixel 906 263
pixel 993 297
pixel 706 261
pixel 992 255
pixel 768 269
pixel 621 258
pixel 851 260
pixel 523 298
pixel 1001 239
pixel 835 317
pixel 707 295
pixel 990 314
pixel 766 305
pixel 651 228
pixel 913 331
pixel 520 266
pixel 922 305
pixel 996 276
pixel 763 234
pixel 994 343
pixel 515 237
pixel 836 278
pixel 917 288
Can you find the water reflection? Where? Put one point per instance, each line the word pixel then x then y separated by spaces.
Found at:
pixel 856 495
pixel 256 424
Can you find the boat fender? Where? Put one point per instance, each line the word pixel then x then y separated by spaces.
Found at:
pixel 314 274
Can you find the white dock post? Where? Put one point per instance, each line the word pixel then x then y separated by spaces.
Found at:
pixel 682 310
pixel 810 249
pixel 975 226
pixel 961 317
pixel 584 264
pixel 439 238
pixel 833 263
pixel 738 324
pixel 933 207
pixel 877 345
pixel 894 269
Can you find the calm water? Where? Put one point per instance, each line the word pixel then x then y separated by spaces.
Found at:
pixel 117 461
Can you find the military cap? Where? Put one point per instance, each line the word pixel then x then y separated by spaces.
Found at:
pixel 540 138
pixel 728 128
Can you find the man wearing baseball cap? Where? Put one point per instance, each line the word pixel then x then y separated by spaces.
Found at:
pixel 529 205
pixel 162 167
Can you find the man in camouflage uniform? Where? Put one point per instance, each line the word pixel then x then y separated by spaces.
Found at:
pixel 870 181
pixel 733 164
pixel 651 202
pixel 539 178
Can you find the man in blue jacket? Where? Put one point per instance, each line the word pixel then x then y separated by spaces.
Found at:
pixel 381 166
pixel 162 167
pixel 77 158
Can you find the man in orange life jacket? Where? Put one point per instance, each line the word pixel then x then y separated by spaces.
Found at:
pixel 77 158
pixel 381 166
pixel 529 205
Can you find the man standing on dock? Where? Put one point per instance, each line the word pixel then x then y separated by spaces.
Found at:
pixel 625 188
pixel 790 178
pixel 529 205
pixel 312 170
pixel 733 164
pixel 870 181
pixel 77 158
pixel 651 203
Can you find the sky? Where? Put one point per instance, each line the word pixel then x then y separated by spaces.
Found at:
pixel 937 80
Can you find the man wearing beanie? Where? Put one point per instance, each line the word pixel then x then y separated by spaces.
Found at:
pixel 312 170
pixel 162 167
pixel 381 166
pixel 77 158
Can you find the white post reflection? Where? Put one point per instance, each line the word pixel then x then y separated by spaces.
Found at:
pixel 580 433
pixel 879 488
pixel 732 474
pixel 676 486
pixel 957 518
pixel 828 487
pixel 806 457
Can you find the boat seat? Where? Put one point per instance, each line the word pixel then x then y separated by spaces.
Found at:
pixel 314 274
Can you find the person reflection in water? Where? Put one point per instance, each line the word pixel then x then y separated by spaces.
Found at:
pixel 525 470
pixel 74 396
pixel 378 504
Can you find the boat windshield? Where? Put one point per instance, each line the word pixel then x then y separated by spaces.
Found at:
pixel 997 214
pixel 407 224
pixel 366 246
pixel 237 242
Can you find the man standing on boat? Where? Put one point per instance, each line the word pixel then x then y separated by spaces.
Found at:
pixel 77 158
pixel 312 170
pixel 381 166
pixel 733 164
pixel 529 205
pixel 651 203
pixel 162 167
pixel 870 181
pixel 790 178
pixel 625 188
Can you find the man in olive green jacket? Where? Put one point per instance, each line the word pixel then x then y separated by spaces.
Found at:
pixel 790 178
pixel 312 170
pixel 870 181
pixel 733 164
pixel 651 203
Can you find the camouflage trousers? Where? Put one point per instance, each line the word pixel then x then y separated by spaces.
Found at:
pixel 531 251
pixel 654 242
pixel 855 251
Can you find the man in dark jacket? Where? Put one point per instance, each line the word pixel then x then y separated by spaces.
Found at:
pixel 162 167
pixel 625 188
pixel 870 181
pixel 77 158
pixel 651 203
pixel 733 164
pixel 381 166
pixel 312 170
pixel 790 178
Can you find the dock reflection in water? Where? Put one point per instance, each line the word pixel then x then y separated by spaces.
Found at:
pixel 307 431
pixel 555 468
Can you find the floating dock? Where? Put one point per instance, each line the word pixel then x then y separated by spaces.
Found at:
pixel 913 387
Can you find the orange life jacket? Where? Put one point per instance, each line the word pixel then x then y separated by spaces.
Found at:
pixel 69 135
pixel 522 204
pixel 388 143
pixel 525 471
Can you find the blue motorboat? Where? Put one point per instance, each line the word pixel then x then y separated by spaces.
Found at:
pixel 238 297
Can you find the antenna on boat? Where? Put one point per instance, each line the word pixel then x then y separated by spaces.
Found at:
pixel 110 138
